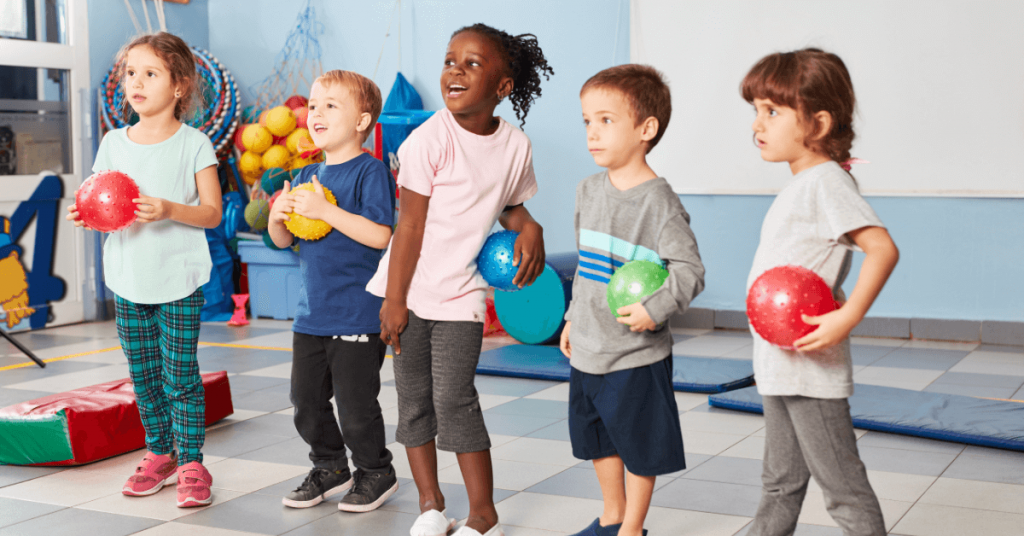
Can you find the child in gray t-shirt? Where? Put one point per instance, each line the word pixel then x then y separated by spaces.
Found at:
pixel 804 102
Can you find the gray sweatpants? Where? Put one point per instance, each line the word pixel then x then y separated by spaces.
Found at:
pixel 434 377
pixel 813 437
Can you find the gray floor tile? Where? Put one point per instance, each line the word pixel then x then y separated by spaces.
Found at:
pixel 515 425
pixel 262 514
pixel 905 461
pixel 10 397
pixel 729 470
pixel 294 451
pixel 982 380
pixel 902 442
pixel 803 529
pixel 733 333
pixel 255 359
pixel 271 424
pixel 679 337
pixel 13 474
pixel 75 522
pixel 970 390
pixel 407 499
pixel 558 431
pixel 255 383
pixel 13 376
pixel 532 407
pixel 228 442
pixel 580 482
pixel 39 340
pixel 13 511
pixel 693 461
pixel 1019 395
pixel 377 523
pixel 228 334
pixel 990 465
pixel 1000 348
pixel 704 496
pixel 262 401
pixel 919 358
pixel 498 385
pixel 283 488
pixel 864 355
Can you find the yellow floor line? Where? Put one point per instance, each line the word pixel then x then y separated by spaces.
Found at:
pixel 61 358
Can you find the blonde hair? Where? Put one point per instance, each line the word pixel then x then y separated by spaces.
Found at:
pixel 366 93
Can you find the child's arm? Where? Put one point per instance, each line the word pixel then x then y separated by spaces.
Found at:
pixel 881 257
pixel 529 248
pixel 405 254
pixel 283 206
pixel 314 205
pixel 206 216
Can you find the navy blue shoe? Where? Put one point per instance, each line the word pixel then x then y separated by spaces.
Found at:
pixel 595 529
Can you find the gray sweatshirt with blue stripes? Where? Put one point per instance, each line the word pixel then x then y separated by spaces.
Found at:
pixel 613 227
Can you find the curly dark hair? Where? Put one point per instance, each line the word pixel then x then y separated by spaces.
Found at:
pixel 526 62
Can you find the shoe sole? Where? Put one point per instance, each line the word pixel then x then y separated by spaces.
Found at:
pixel 319 499
pixel 372 506
pixel 192 502
pixel 127 490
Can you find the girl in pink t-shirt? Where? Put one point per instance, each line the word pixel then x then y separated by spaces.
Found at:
pixel 462 170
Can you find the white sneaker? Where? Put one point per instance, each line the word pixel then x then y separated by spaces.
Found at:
pixel 432 523
pixel 466 531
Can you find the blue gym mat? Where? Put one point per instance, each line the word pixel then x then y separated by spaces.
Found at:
pixel 962 419
pixel 690 374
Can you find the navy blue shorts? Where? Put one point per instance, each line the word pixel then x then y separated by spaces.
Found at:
pixel 631 413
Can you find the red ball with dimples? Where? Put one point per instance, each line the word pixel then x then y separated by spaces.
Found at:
pixel 779 297
pixel 104 201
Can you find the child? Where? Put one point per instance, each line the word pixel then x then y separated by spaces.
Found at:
pixel 622 409
pixel 157 266
pixel 337 348
pixel 804 102
pixel 462 169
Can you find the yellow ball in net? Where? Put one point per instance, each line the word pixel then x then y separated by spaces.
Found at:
pixel 250 164
pixel 304 227
pixel 280 121
pixel 277 156
pixel 257 139
pixel 296 138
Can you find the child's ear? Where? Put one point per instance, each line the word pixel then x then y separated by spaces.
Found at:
pixel 649 128
pixel 505 87
pixel 822 124
pixel 364 122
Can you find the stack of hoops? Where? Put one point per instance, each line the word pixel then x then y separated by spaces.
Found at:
pixel 218 119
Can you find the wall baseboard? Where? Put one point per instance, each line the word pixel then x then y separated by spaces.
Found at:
pixel 983 331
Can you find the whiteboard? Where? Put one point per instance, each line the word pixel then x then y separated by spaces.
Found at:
pixel 939 83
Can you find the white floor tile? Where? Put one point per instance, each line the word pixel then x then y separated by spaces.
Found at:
pixel 247 476
pixel 67 488
pixel 751 448
pixel 941 345
pixel 548 512
pixel 507 474
pixel 877 341
pixel 814 512
pixel 709 346
pixel 902 378
pixel 558 393
pixel 283 371
pixel 163 505
pixel 400 461
pixel 75 380
pixel 985 362
pixel 542 451
pixel 729 423
pixel 709 443
pixel 934 520
pixel 490 401
pixel 182 529
pixel 689 523
pixel 893 486
pixel 975 494
pixel 688 401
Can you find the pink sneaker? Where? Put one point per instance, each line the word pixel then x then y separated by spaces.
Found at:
pixel 153 473
pixel 194 485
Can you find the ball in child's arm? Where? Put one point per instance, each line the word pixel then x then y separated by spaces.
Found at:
pixel 280 121
pixel 495 260
pixel 277 156
pixel 304 227
pixel 633 282
pixel 104 201
pixel 256 214
pixel 777 299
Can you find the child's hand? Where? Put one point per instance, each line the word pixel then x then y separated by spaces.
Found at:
pixel 635 316
pixel 312 205
pixel 74 218
pixel 394 317
pixel 283 205
pixel 528 255
pixel 833 327
pixel 152 209
pixel 563 343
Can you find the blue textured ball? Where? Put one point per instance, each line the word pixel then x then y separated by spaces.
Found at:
pixel 495 260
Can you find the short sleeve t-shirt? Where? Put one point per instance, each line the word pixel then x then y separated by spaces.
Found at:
pixel 470 179
pixel 163 261
pixel 806 226
pixel 335 269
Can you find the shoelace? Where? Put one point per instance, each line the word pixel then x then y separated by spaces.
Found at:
pixel 362 485
pixel 314 478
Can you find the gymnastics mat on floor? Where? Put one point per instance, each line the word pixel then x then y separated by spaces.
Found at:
pixel 88 424
pixel 690 374
pixel 962 419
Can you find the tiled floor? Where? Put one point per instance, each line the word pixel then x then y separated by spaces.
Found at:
pixel 925 487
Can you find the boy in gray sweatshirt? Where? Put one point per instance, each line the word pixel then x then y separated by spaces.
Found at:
pixel 622 409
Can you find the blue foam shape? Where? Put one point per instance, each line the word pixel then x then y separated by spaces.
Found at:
pixel 961 419
pixel 690 374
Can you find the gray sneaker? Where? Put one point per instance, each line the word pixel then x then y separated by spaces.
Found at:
pixel 319 484
pixel 369 491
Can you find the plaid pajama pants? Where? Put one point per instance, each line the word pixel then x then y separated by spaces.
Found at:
pixel 160 342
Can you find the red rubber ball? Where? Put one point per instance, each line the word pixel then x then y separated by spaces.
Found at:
pixel 779 297
pixel 104 201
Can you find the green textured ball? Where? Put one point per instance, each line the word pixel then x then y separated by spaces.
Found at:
pixel 633 282
pixel 257 213
pixel 273 180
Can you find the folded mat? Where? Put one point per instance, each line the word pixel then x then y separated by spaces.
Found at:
pixel 691 374
pixel 963 419
pixel 88 424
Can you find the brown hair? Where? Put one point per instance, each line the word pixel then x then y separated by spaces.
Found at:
pixel 644 89
pixel 367 93
pixel 809 81
pixel 181 64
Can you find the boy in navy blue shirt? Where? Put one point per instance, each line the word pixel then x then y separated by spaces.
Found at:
pixel 337 349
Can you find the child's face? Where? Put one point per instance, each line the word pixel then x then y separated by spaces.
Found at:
pixel 779 132
pixel 334 116
pixel 473 74
pixel 147 82
pixel 613 137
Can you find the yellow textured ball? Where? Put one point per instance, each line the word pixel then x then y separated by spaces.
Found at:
pixel 297 139
pixel 251 164
pixel 280 121
pixel 304 227
pixel 276 157
pixel 250 178
pixel 257 139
